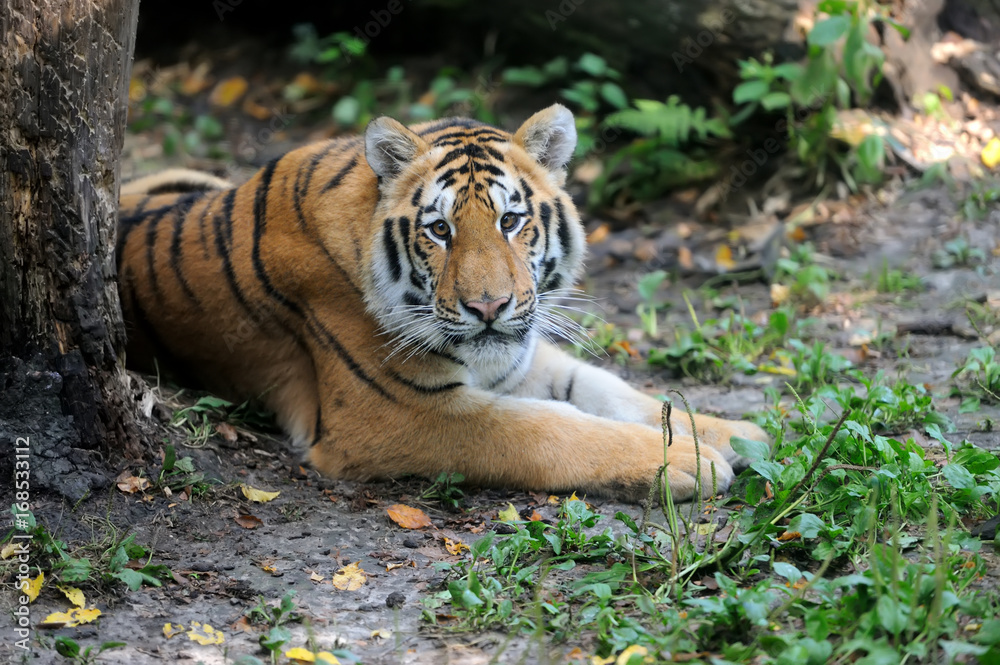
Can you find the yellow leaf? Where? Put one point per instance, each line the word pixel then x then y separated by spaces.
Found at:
pixel 75 595
pixel 454 546
pixel 349 578
pixel 991 153
pixel 316 577
pixel 782 371
pixel 258 496
pixel 407 517
pixel 597 660
pixel 228 91
pixel 9 550
pixel 327 658
pixel 634 650
pixel 779 294
pixel 298 653
pixel 31 588
pixel 724 258
pixel 75 617
pixel 171 629
pixel 203 634
pixel 508 514
pixel 553 500
pixel 382 633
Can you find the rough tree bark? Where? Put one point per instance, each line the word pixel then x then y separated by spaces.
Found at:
pixel 64 71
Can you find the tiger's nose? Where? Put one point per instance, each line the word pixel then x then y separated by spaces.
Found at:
pixel 487 310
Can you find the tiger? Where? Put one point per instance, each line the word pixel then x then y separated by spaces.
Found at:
pixel 390 297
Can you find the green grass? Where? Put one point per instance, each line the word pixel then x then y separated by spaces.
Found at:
pixel 844 541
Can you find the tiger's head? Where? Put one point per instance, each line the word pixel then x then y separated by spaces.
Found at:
pixel 473 237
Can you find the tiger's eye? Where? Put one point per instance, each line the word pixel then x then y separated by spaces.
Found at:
pixel 441 229
pixel 509 221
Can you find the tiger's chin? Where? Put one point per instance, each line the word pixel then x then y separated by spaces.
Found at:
pixel 494 356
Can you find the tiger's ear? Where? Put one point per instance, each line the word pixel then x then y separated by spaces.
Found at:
pixel 549 137
pixel 390 147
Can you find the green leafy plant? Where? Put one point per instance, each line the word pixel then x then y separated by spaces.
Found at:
pixel 668 153
pixel 982 371
pixel 446 491
pixel 957 253
pixel 69 649
pixel 891 280
pixel 842 70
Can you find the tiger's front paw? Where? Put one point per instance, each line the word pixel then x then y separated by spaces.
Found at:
pixel 717 433
pixel 704 471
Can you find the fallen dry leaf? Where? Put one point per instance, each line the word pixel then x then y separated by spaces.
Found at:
pixel 724 257
pixel 248 521
pixel 408 517
pixel 74 595
pixel 204 634
pixel 455 547
pixel 241 625
pixel 685 258
pixel 349 578
pixel 991 153
pixel 258 496
pixel 535 516
pixel 9 550
pixel 196 81
pixel 599 235
pixel 227 432
pixel 131 484
pixel 381 633
pixel 74 617
pixel 300 654
pixel 228 91
pixel 31 588
pixel 779 294
pixel 316 577
pixel 789 535
pixel 171 629
pixel 509 514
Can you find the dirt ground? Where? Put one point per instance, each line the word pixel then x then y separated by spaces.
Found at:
pixel 316 526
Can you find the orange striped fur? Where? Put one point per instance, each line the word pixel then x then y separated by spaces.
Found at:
pixel 387 296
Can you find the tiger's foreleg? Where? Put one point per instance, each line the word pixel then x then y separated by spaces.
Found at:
pixel 556 375
pixel 503 441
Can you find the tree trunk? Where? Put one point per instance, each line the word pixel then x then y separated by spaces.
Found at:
pixel 64 72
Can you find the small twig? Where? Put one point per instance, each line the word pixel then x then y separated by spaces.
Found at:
pixel 822 453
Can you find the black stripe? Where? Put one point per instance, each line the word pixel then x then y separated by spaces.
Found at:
pixel 141 206
pixel 346 358
pixel 259 228
pixel 466 123
pixel 302 183
pixel 563 230
pixel 417 193
pixel 391 251
pixel 180 215
pixel 146 329
pixel 151 227
pixel 318 427
pixel 425 390
pixel 569 387
pixel 223 226
pixel 297 194
pixel 335 181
